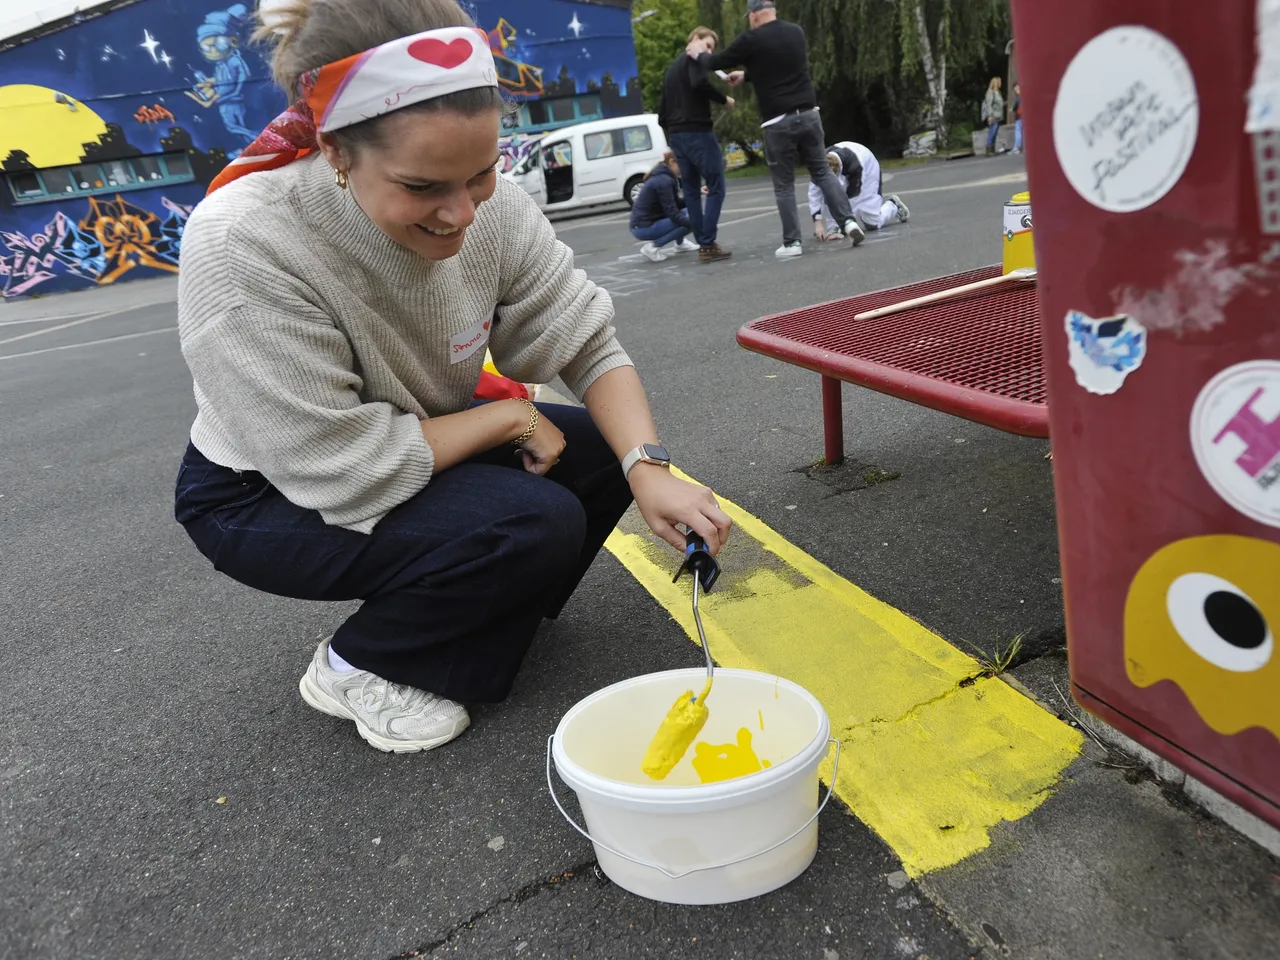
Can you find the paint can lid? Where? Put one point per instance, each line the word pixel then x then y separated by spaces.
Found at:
pixel 1024 197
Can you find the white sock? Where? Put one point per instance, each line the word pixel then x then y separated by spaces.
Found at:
pixel 337 663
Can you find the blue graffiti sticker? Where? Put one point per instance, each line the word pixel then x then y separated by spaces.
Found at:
pixel 1104 352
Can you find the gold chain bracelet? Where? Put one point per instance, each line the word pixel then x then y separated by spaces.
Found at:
pixel 534 417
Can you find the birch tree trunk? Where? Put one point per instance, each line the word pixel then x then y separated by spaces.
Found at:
pixel 935 71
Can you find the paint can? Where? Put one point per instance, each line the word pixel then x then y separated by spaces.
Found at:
pixel 1018 248
pixel 681 840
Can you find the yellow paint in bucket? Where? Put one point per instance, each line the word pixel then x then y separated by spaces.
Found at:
pixel 714 763
pixel 1019 251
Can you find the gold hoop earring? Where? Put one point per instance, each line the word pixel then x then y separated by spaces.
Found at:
pixel 340 178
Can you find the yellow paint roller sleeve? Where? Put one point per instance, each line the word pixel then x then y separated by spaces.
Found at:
pixel 681 726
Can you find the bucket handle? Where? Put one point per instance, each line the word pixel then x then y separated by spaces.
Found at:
pixel 718 866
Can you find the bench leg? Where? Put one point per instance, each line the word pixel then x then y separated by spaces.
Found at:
pixel 833 421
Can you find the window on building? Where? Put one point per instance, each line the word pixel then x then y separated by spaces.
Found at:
pixel 86 179
pixel 537 110
pixel 589 107
pixel 57 181
pixel 563 111
pixel 25 185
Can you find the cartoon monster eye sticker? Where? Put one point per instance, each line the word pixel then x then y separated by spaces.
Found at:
pixel 1204 612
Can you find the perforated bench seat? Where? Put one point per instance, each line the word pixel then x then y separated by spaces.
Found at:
pixel 978 357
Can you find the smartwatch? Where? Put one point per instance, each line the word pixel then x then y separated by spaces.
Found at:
pixel 646 453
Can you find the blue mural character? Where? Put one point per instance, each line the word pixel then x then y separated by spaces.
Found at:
pixel 219 39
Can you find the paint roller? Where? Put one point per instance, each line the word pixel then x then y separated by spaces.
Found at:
pixel 688 715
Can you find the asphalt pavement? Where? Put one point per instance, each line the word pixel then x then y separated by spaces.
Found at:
pixel 164 792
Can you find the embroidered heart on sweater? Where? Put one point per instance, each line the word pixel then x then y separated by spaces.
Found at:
pixel 486 324
pixel 441 54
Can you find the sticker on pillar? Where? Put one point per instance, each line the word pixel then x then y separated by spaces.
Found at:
pixel 1266 164
pixel 1203 613
pixel 1235 433
pixel 1104 352
pixel 1126 119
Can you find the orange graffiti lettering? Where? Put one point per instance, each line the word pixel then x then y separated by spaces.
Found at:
pixel 127 235
pixel 150 115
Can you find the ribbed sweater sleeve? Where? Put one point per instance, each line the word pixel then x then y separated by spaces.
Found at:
pixel 553 321
pixel 277 375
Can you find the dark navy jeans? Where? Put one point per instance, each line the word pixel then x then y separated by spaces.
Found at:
pixel 701 161
pixel 661 233
pixel 455 581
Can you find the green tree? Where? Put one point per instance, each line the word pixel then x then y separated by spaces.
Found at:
pixel 662 29
pixel 741 125
pixel 886 68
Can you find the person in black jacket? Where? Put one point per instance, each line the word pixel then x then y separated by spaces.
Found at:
pixel 684 114
pixel 775 54
pixel 658 217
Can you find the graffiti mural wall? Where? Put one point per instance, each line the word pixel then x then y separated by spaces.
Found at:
pixel 89 107
pixel 112 126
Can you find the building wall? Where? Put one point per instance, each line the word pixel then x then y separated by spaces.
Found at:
pixel 178 78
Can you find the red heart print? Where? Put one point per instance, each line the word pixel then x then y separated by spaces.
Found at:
pixel 441 54
pixel 486 324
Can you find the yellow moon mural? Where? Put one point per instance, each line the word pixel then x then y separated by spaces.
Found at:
pixel 52 134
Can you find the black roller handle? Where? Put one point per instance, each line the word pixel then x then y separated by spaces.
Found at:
pixel 699 562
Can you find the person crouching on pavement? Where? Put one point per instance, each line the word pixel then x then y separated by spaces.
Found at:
pixel 659 216
pixel 339 287
pixel 859 174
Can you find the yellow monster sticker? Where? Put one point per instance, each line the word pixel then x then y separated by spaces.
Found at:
pixel 1204 612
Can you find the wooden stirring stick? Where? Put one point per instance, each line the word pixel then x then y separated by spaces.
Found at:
pixel 1023 274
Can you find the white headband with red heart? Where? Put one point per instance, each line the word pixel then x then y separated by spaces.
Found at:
pixel 397 74
pixel 367 85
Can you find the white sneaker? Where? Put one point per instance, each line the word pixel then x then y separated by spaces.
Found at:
pixel 390 716
pixel 688 245
pixel 789 250
pixel 853 230
pixel 903 213
pixel 653 253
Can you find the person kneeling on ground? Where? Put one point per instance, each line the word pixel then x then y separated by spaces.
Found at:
pixel 339 287
pixel 859 174
pixel 658 217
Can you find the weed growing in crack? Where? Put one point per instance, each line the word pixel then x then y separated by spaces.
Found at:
pixel 998 661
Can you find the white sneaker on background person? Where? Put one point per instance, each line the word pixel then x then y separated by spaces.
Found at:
pixel 656 254
pixel 853 230
pixel 903 213
pixel 392 717
pixel 789 250
pixel 688 245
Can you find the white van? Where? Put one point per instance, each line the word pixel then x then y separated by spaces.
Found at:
pixel 603 161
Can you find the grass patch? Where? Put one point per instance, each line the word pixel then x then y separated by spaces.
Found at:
pixel 873 475
pixel 999 660
pixel 802 173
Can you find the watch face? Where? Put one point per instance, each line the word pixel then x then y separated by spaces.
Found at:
pixel 655 452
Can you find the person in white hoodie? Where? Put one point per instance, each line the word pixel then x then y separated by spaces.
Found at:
pixel 859 173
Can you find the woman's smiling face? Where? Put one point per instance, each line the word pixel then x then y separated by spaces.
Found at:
pixel 422 182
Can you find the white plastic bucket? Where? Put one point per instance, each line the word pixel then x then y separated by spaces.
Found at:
pixel 679 840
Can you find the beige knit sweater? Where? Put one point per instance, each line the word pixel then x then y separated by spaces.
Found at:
pixel 317 344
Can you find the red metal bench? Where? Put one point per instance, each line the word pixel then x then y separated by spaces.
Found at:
pixel 978 357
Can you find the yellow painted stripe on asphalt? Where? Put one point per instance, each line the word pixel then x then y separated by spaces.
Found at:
pixel 930 765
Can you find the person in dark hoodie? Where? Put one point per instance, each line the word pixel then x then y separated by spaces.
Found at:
pixel 658 217
pixel 684 114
